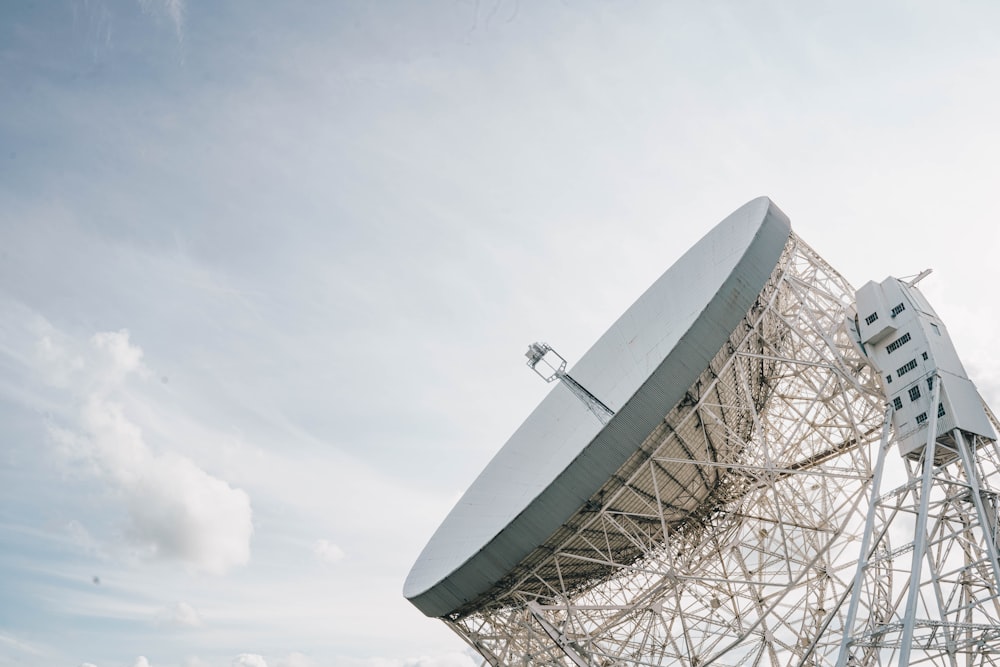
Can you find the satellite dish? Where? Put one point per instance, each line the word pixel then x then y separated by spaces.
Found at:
pixel 555 463
pixel 709 483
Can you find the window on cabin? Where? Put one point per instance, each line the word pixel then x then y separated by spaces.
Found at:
pixel 896 344
pixel 906 368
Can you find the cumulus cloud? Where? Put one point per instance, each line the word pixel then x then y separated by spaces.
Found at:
pixel 195 661
pixel 179 615
pixel 179 511
pixel 296 659
pixel 328 552
pixel 176 510
pixel 141 662
pixel 249 660
pixel 99 366
pixel 115 357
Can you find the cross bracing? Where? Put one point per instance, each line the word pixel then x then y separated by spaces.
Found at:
pixel 732 536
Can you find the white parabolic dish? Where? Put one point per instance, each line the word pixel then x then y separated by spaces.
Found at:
pixel 562 454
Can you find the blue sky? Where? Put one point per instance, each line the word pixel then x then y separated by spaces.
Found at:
pixel 267 271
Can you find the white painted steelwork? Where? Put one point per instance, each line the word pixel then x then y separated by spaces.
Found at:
pixel 905 339
pixel 747 525
pixel 946 610
pixel 761 573
pixel 557 464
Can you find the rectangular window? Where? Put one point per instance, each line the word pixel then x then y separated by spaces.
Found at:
pixel 888 379
pixel 940 409
pixel 914 393
pixel 871 318
pixel 906 368
pixel 930 383
pixel 897 403
pixel 924 355
pixel 898 343
pixel 897 309
pixel 922 417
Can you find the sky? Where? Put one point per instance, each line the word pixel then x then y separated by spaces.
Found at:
pixel 268 271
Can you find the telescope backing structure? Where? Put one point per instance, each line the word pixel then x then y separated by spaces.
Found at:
pixel 754 465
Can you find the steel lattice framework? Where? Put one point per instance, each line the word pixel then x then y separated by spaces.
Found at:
pixel 789 430
pixel 943 521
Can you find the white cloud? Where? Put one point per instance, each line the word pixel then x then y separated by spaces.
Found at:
pixel 296 659
pixel 99 366
pixel 180 615
pixel 141 662
pixel 176 510
pixel 195 661
pixel 180 511
pixel 115 357
pixel 328 552
pixel 249 660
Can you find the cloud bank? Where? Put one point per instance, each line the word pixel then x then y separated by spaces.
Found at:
pixel 175 509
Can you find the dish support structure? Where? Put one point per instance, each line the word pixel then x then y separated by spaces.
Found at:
pixel 796 556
